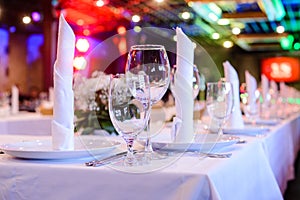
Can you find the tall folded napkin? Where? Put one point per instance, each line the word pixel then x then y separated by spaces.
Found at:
pixel 63 108
pixel 274 88
pixel 235 120
pixel 264 87
pixel 251 89
pixel 183 122
pixel 14 99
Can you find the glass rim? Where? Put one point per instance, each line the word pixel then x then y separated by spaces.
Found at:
pixel 147 47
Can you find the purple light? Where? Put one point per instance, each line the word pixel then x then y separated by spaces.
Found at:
pixel 36 16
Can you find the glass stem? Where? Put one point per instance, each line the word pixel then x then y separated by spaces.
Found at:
pixel 130 159
pixel 148 145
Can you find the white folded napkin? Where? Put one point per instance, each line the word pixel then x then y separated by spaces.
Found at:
pixel 51 94
pixel 63 110
pixel 274 88
pixel 264 87
pixel 183 122
pixel 235 120
pixel 14 99
pixel 251 89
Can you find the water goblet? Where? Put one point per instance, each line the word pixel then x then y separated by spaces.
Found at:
pixel 219 102
pixel 129 108
pixel 151 60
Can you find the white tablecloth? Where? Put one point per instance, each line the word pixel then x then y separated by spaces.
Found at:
pixel 257 169
pixel 26 123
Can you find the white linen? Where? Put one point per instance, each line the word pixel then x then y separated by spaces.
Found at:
pixel 255 171
pixel 184 102
pixel 63 110
pixel 25 123
pixel 251 89
pixel 235 120
pixel 14 99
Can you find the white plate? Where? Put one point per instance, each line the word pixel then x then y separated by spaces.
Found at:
pixel 246 130
pixel 201 142
pixel 270 122
pixel 42 149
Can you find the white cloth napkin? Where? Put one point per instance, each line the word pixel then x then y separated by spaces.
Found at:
pixel 274 87
pixel 251 89
pixel 235 120
pixel 63 110
pixel 182 130
pixel 14 99
pixel 264 87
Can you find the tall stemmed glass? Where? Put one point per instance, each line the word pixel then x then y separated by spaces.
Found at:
pixel 152 60
pixel 129 108
pixel 219 102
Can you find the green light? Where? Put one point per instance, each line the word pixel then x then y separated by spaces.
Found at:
pixel 287 43
pixel 297 46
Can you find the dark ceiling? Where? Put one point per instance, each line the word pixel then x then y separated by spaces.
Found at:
pixel 258 20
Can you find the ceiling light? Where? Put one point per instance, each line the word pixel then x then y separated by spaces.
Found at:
pixel 213 17
pixel 36 16
pixel 280 29
pixel 223 22
pixel 79 63
pixel 86 32
pixel 215 36
pixel 121 30
pixel 26 20
pixel 227 44
pixel 100 3
pixel 137 29
pixel 297 46
pixel 236 30
pixel 136 18
pixel 186 15
pixel 159 1
pixel 80 22
pixel 82 45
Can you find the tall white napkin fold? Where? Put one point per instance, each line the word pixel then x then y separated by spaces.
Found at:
pixel 274 88
pixel 183 130
pixel 51 94
pixel 264 87
pixel 251 89
pixel 235 120
pixel 14 99
pixel 63 110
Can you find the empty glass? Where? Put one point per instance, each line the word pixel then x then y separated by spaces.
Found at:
pixel 129 108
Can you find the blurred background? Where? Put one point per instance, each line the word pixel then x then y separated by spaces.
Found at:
pixel 248 33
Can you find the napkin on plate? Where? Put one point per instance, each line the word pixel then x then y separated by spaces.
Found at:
pixel 235 120
pixel 63 112
pixel 251 88
pixel 182 130
pixel 14 99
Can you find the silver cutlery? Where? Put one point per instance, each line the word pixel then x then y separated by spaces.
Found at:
pixel 107 160
pixel 214 155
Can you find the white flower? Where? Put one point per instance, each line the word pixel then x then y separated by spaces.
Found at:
pixel 85 88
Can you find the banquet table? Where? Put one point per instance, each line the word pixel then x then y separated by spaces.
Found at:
pixel 26 123
pixel 257 169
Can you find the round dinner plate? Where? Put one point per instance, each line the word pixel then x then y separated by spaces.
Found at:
pixel 201 142
pixel 42 149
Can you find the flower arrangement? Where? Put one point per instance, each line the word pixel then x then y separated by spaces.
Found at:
pixel 91 103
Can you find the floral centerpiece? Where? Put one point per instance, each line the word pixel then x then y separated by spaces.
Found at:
pixel 91 103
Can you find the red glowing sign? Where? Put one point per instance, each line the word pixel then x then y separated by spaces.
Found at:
pixel 285 69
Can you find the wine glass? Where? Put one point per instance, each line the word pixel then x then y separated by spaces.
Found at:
pixel 219 102
pixel 250 105
pixel 196 81
pixel 152 60
pixel 129 108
